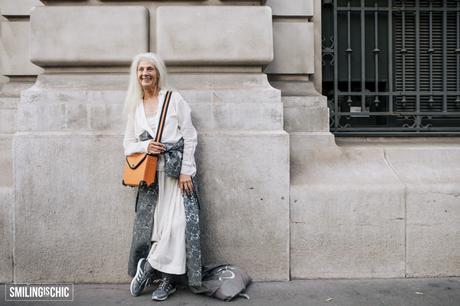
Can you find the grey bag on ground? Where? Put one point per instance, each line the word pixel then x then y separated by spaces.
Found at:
pixel 223 282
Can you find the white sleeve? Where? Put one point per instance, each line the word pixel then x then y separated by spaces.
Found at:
pixel 189 133
pixel 130 143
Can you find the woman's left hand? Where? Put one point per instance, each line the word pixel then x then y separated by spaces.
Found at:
pixel 185 184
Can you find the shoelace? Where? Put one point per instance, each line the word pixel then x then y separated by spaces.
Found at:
pixel 165 285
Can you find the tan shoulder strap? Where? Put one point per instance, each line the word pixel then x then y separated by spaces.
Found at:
pixel 164 111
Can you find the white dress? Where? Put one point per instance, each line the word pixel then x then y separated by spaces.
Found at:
pixel 168 252
pixel 168 236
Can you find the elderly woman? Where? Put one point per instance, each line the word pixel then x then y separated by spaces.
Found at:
pixel 166 235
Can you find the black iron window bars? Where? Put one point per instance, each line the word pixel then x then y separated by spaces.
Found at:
pixel 392 67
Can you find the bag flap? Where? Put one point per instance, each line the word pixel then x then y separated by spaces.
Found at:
pixel 135 160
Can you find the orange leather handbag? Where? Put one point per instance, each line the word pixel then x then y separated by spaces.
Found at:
pixel 141 168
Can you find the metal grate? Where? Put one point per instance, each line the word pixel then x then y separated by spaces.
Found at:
pixel 392 67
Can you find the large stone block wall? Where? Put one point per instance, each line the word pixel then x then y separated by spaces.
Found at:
pixel 375 208
pixel 152 6
pixel 363 208
pixel 18 73
pixel 73 115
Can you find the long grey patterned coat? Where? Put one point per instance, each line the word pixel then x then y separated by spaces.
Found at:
pixel 146 201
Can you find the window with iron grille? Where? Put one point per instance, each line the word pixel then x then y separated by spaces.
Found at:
pixel 392 67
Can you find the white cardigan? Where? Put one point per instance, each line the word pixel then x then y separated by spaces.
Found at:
pixel 178 124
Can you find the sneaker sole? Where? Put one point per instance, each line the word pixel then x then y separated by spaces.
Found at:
pixel 158 299
pixel 135 276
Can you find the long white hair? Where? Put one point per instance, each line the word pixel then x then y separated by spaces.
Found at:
pixel 135 93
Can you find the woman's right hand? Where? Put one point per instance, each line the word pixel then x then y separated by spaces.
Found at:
pixel 155 147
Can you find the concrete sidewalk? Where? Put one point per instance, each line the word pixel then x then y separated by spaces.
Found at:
pixel 363 292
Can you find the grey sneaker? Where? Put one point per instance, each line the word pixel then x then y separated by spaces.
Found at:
pixel 165 289
pixel 141 278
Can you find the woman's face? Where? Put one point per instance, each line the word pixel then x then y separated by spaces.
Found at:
pixel 147 74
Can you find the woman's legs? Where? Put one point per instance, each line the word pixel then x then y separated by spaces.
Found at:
pixel 167 253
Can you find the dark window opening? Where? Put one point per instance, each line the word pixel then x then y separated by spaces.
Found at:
pixel 392 67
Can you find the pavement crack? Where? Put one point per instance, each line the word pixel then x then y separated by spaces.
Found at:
pixel 385 157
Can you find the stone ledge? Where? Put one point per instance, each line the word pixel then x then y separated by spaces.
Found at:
pixel 18 7
pixel 403 142
pixel 428 165
pixel 15 86
pixel 96 116
pixel 50 105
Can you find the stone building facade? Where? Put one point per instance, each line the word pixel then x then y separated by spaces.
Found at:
pixel 282 196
